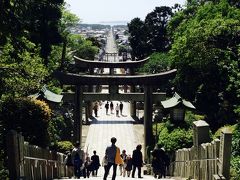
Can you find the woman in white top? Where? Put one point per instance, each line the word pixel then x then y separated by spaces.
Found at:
pixel 117 110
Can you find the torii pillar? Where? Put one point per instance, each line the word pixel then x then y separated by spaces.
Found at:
pixel 77 129
pixel 148 134
pixel 132 103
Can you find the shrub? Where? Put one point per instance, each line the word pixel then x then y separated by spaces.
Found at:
pixel 31 117
pixel 236 141
pixel 64 146
pixel 217 134
pixel 175 139
pixel 235 168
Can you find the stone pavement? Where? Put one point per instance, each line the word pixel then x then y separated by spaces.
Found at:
pixel 111 46
pixel 104 127
pixel 125 178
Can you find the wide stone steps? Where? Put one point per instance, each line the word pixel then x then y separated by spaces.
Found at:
pixel 128 178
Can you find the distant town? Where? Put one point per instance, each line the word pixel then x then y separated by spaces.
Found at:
pixel 100 31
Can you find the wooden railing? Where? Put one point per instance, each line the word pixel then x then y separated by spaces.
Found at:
pixel 32 162
pixel 205 161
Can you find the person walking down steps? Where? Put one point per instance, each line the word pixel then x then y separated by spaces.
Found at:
pixel 111 107
pixel 107 107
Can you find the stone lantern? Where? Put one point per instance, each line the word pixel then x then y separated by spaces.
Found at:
pixel 177 107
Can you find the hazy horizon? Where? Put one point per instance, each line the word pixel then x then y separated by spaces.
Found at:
pixel 109 11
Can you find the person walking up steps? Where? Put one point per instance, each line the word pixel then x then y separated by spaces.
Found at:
pixel 113 158
pixel 111 107
pixel 95 108
pixel 121 108
pixel 107 107
pixel 117 110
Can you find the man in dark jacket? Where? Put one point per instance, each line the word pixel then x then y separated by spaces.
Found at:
pixel 137 161
pixel 95 163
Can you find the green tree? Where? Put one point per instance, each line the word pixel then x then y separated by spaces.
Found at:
pixel 22 70
pixel 83 48
pixel 138 38
pixel 156 25
pixel 205 51
pixel 68 21
pixel 36 20
pixel 158 62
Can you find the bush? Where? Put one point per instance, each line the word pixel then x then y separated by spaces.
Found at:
pixel 64 146
pixel 191 117
pixel 31 117
pixel 235 168
pixel 3 170
pixel 175 139
pixel 217 134
pixel 236 141
pixel 56 128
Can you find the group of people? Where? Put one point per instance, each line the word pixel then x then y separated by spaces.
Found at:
pixel 84 166
pixel 81 165
pixel 160 162
pixel 118 108
pixel 126 163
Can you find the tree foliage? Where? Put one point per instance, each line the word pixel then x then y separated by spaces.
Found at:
pixel 138 38
pixel 206 53
pixel 158 62
pixel 84 48
pixel 36 20
pixel 22 70
pixel 156 25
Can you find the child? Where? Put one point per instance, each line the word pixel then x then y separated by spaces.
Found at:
pixel 104 162
pixel 128 165
pixel 88 166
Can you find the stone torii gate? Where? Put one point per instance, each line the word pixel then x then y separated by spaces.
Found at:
pixel 148 81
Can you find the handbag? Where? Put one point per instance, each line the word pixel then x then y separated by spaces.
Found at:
pixel 118 158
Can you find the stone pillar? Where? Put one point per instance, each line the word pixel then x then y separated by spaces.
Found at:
pixel 148 134
pixel 225 153
pixel 200 135
pixel 77 131
pixel 132 103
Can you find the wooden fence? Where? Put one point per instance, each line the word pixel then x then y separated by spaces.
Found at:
pixel 205 161
pixel 31 162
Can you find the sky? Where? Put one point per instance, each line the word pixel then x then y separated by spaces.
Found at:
pixel 99 11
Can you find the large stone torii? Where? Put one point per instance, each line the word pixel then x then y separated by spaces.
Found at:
pixel 79 80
